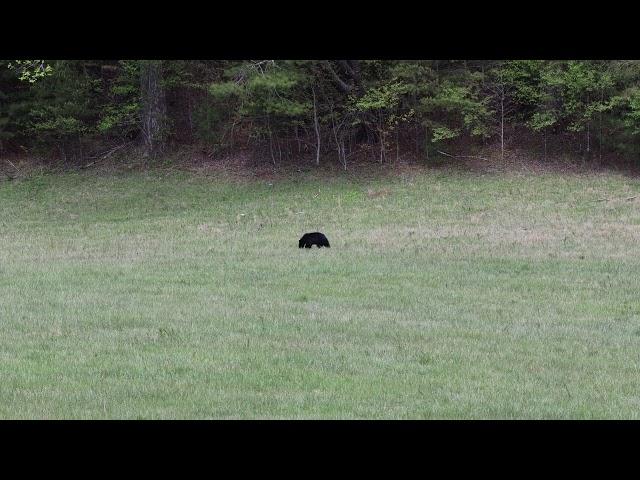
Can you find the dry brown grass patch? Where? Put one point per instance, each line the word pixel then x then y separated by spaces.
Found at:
pixel 380 193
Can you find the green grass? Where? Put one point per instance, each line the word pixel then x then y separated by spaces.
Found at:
pixel 444 295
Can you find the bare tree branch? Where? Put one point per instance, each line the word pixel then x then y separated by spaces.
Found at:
pixel 461 156
pixel 341 84
pixel 14 167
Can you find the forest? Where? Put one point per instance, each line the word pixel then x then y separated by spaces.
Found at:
pixel 318 111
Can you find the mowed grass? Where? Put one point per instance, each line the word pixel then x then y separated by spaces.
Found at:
pixel 444 295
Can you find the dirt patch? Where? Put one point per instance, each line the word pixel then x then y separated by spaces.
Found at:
pixel 245 164
pixel 489 159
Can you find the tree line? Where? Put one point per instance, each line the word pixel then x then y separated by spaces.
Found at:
pixel 323 110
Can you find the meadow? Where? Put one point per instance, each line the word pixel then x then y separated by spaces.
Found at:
pixel 445 294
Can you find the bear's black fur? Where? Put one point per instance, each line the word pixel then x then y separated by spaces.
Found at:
pixel 315 238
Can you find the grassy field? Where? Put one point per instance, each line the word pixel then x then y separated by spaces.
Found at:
pixel 444 295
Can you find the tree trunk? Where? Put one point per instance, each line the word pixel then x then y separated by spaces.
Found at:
pixel 191 117
pixel 502 124
pixel 315 123
pixel 600 128
pixel 154 107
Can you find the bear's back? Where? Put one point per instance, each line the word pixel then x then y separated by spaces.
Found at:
pixel 314 238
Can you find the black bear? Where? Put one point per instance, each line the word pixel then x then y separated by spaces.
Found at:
pixel 315 238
